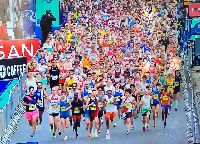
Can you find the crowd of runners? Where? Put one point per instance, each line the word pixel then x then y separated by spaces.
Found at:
pixel 111 60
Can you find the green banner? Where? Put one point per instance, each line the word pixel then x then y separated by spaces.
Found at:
pixel 43 5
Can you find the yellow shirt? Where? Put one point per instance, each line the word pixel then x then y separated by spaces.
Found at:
pixel 170 85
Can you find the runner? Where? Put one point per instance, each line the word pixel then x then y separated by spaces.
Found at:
pixel 30 102
pixel 165 96
pixel 77 108
pixel 53 111
pixel 65 106
pixel 53 74
pixel 109 102
pixel 178 79
pixel 100 97
pixel 155 106
pixel 171 85
pixel 92 104
pixel 42 95
pixel 30 81
pixel 118 96
pixel 146 108
pixel 128 106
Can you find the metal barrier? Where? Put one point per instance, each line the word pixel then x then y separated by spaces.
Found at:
pixel 14 109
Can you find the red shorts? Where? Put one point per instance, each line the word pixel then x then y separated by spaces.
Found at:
pixel 77 117
pixel 93 114
pixel 110 115
pixel 31 115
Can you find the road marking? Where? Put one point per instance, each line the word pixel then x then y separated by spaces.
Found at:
pixel 171 136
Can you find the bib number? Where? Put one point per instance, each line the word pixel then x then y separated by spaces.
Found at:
pixel 93 107
pixel 100 105
pixel 165 98
pixel 142 93
pixel 155 96
pixel 63 108
pixel 54 77
pixel 40 103
pixel 128 105
pixel 177 83
pixel 118 98
pixel 31 107
pixel 85 97
pixel 76 110
pixel 53 107
pixel 108 103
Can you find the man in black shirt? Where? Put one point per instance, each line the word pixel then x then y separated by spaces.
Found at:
pixel 30 102
pixel 53 74
pixel 77 109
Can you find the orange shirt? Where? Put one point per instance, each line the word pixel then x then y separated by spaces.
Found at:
pixel 165 98
pixel 86 63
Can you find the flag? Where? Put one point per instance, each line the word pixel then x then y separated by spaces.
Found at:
pixel 154 9
pixel 76 15
pixel 69 37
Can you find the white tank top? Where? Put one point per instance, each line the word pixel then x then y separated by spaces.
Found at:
pixel 109 106
pixel 30 83
pixel 52 105
pixel 128 104
pixel 146 102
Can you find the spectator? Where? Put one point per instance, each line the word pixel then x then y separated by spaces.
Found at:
pixel 18 31
pixel 3 31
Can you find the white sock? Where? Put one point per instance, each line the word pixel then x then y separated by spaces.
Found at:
pixel 176 103
pixel 107 131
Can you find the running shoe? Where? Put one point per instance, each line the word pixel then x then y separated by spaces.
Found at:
pixel 83 118
pixel 114 124
pixel 98 130
pixel 32 134
pixel 164 124
pixel 155 114
pixel 96 135
pixel 147 129
pixel 89 134
pixel 54 137
pixel 175 109
pixel 59 132
pixel 154 124
pixel 51 129
pixel 137 115
pixel 76 136
pixel 65 138
pixel 143 129
pixel 132 127
pixel 101 120
pixel 107 136
pixel 127 133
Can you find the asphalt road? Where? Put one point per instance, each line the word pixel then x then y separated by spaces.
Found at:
pixel 174 133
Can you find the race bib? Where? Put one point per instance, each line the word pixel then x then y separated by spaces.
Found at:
pixel 71 100
pixel 63 108
pixel 100 105
pixel 76 110
pixel 85 97
pixel 165 98
pixel 53 107
pixel 31 107
pixel 177 83
pixel 128 105
pixel 108 103
pixel 118 98
pixel 54 77
pixel 40 102
pixel 93 107
pixel 170 87
pixel 142 93
pixel 36 76
pixel 155 96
